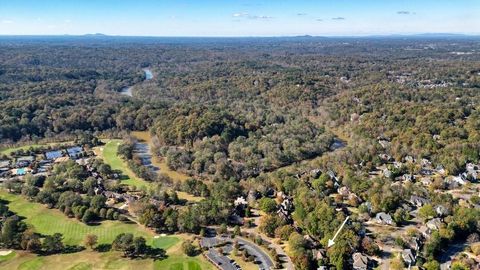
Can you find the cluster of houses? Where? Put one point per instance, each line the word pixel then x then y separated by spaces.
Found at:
pixel 38 164
pixel 471 173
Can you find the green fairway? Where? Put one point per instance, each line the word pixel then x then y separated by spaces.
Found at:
pixel 50 221
pixel 109 154
pixel 182 263
pixel 165 242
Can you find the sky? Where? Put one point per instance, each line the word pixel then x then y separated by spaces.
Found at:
pixel 238 17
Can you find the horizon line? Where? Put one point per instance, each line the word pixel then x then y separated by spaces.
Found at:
pixel 251 36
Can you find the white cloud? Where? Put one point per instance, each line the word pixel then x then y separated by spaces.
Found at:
pixel 240 14
pixel 7 21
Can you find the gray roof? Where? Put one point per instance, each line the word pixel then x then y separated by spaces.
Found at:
pixel 53 154
pixel 26 158
pixel 4 163
pixel 408 256
pixel 74 151
pixel 360 261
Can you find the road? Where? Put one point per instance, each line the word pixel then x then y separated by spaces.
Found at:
pixel 287 262
pixel 220 260
pixel 262 259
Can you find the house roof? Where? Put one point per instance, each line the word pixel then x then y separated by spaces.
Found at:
pixel 383 216
pixel 408 256
pixel 4 163
pixel 434 224
pixel 74 151
pixel 26 158
pixel 53 154
pixel 360 261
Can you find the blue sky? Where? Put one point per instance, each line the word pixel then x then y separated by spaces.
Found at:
pixel 238 17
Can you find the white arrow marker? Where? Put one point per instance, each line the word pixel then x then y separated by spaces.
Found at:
pixel 331 242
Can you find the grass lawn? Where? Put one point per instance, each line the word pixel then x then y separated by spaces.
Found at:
pixel 178 261
pixel 109 154
pixel 50 221
pixel 4 258
pixel 85 260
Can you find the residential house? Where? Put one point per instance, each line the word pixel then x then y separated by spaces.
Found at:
pixel 408 257
pixel 52 155
pixel 418 201
pixel 5 164
pixel 315 173
pixel 75 152
pixel 425 231
pixel 409 159
pixel 425 162
pixel 384 218
pixel 24 161
pixel 434 224
pixel 441 210
pixel 360 261
pixel 460 179
pixel 440 170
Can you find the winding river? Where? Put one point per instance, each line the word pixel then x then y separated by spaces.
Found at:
pixel 128 91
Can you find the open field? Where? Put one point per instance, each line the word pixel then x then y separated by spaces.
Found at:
pixel 50 221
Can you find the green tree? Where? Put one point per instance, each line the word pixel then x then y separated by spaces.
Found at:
pixel 53 243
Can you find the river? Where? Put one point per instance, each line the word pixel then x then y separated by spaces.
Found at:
pixel 128 91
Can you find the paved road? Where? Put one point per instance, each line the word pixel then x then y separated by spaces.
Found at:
pixel 286 261
pixel 261 257
pixel 211 240
pixel 220 260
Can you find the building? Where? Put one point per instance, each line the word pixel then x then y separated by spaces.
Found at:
pixel 24 161
pixel 434 224
pixel 418 201
pixel 360 261
pixel 408 256
pixel 441 210
pixel 384 218
pixel 4 164
pixel 52 155
pixel 75 152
